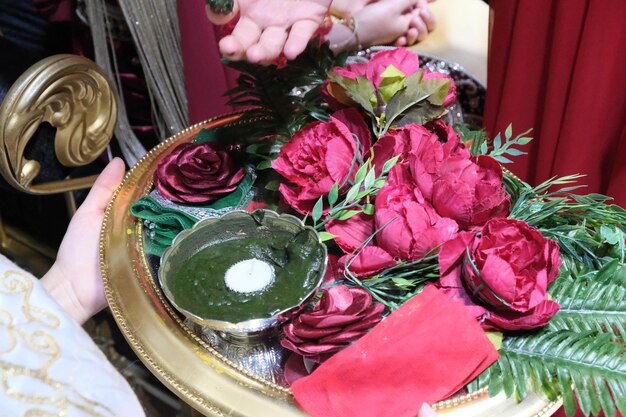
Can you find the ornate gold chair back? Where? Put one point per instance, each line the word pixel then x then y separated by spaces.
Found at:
pixel 73 95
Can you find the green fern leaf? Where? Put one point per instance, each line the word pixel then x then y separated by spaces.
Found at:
pixel 590 306
pixel 555 361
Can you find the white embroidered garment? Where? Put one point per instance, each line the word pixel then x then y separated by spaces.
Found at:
pixel 49 366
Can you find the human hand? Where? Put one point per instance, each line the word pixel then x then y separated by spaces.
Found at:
pixel 422 23
pixel 267 28
pixel 74 280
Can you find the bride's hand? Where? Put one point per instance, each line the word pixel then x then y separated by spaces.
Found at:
pixel 74 281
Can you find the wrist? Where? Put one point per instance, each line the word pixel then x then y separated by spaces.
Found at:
pixel 63 293
pixel 343 34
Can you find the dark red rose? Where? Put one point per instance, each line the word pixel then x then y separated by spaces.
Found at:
pixel 319 156
pixel 470 192
pixel 502 274
pixel 341 316
pixel 197 173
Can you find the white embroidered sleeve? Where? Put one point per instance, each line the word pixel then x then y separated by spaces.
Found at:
pixel 48 364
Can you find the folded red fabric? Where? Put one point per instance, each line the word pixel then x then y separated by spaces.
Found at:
pixel 425 351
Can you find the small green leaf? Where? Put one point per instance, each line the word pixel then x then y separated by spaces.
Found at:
pixel 497 142
pixel 611 236
pixel 333 194
pixel 272 185
pixel 353 192
pixel 359 90
pixel 368 209
pixel 484 148
pixel 508 133
pixel 380 183
pixel 390 164
pixel 325 236
pixel 346 214
pixel 318 208
pixel 392 81
pixel 524 140
pixel 403 283
pixel 370 178
pixel 360 174
pixel 502 159
pixel 514 152
pixel 265 164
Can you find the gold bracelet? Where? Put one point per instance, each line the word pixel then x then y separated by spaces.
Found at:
pixel 352 24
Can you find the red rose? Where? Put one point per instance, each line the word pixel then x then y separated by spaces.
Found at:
pixel 502 274
pixel 319 156
pixel 451 97
pixel 340 317
pixel 409 226
pixel 197 173
pixel 470 192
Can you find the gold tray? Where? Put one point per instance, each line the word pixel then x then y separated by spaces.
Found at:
pixel 186 364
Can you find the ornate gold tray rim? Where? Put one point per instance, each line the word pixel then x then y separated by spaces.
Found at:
pixel 177 357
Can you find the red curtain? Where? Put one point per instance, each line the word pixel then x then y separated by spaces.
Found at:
pixel 206 78
pixel 557 66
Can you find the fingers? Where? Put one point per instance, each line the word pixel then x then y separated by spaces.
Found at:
pixel 411 36
pixel 299 35
pixel 398 6
pixel 245 34
pixel 429 18
pixel 269 47
pixel 401 41
pixel 104 187
pixel 418 23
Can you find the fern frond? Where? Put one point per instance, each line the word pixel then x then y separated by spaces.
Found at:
pixel 590 306
pixel 286 97
pixel 555 361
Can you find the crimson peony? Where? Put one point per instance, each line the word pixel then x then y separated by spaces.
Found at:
pixel 319 156
pixel 502 274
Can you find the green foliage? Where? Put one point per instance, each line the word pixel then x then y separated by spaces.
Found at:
pixel 583 225
pixel 499 148
pixel 472 137
pixel 554 362
pixel 281 100
pixel 397 284
pixel 591 306
pixel 420 101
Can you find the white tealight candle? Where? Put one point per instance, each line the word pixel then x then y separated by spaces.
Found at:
pixel 249 276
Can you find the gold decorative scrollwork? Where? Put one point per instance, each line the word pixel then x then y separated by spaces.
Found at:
pixel 73 95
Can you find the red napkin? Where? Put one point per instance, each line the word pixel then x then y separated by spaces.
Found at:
pixel 425 351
